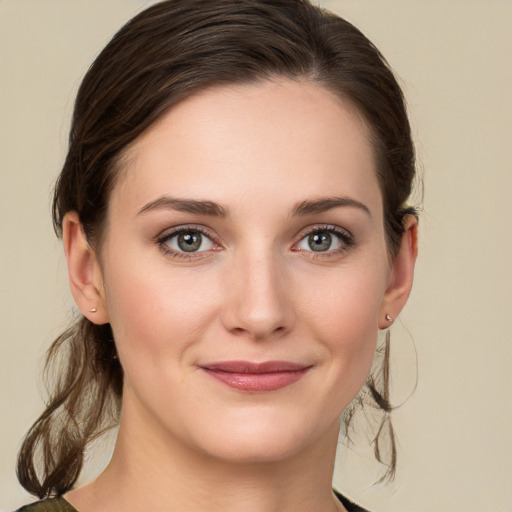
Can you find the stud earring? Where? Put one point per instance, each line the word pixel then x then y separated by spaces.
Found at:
pixel 93 310
pixel 388 318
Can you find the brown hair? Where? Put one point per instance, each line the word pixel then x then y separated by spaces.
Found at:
pixel 165 54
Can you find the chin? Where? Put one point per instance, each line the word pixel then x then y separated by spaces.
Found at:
pixel 256 451
pixel 264 440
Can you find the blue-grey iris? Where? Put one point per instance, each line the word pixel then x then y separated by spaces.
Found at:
pixel 189 241
pixel 320 242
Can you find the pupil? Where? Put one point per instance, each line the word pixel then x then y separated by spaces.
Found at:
pixel 320 242
pixel 189 242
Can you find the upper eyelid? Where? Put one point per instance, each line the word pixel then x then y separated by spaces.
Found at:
pixel 323 227
pixel 170 232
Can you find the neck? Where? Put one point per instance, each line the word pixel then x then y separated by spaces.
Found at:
pixel 156 472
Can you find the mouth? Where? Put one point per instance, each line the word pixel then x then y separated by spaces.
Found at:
pixel 256 377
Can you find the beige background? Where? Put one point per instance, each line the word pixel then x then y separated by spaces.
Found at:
pixel 454 60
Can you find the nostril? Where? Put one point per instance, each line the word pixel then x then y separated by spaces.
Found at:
pixel 258 334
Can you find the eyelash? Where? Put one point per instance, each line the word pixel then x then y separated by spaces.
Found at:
pixel 346 239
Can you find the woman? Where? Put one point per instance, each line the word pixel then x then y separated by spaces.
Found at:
pixel 234 214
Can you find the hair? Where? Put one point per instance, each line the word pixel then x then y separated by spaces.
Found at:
pixel 169 52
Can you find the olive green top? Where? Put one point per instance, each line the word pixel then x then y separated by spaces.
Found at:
pixel 59 504
pixel 50 505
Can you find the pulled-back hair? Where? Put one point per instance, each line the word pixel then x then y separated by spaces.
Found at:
pixel 167 53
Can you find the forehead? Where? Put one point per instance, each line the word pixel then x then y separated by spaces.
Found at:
pixel 272 141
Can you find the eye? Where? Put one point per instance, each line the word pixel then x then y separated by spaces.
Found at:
pixel 187 241
pixel 325 240
pixel 320 241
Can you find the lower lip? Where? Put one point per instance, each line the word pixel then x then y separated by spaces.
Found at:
pixel 257 382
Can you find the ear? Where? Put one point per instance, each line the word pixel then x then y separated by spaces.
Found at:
pixel 401 277
pixel 84 272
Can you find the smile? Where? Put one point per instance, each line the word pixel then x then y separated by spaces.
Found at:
pixel 256 377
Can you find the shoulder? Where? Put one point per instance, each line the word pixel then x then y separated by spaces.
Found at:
pixel 50 505
pixel 349 505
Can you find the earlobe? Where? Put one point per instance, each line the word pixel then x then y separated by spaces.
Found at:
pixel 84 273
pixel 402 272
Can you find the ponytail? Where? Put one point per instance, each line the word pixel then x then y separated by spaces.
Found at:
pixel 84 402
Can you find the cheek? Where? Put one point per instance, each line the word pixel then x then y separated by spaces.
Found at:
pixel 344 317
pixel 346 303
pixel 155 311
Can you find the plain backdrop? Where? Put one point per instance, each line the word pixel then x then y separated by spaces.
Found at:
pixel 453 58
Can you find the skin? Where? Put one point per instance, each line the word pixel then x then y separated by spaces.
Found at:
pixel 255 291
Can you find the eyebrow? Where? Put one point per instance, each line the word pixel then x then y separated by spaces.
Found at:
pixel 323 204
pixel 185 205
pixel 205 207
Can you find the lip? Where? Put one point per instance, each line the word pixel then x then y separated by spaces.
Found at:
pixel 256 377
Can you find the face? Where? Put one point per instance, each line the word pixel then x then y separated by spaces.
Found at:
pixel 245 271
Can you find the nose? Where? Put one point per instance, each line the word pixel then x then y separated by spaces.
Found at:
pixel 259 304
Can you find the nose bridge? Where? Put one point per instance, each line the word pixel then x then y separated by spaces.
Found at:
pixel 260 305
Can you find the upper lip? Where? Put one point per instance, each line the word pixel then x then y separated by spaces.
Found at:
pixel 255 367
